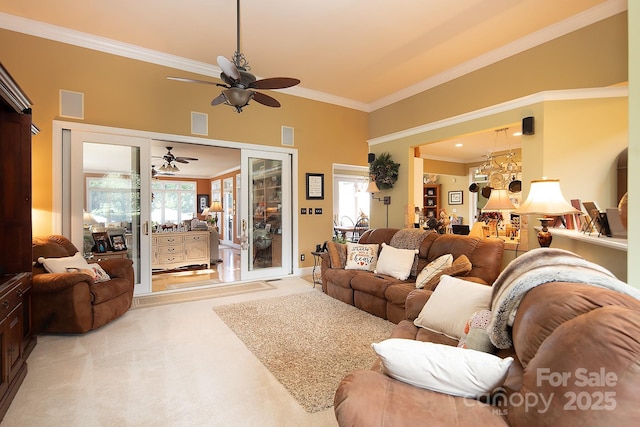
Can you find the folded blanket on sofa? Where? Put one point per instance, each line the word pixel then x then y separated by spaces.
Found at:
pixel 409 238
pixel 536 267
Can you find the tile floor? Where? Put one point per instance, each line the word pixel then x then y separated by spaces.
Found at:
pixel 171 365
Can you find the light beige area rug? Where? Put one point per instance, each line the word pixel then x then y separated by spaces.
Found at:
pixel 199 294
pixel 308 341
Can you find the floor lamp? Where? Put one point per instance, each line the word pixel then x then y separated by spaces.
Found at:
pixel 373 188
pixel 545 198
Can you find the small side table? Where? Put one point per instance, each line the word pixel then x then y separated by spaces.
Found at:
pixel 317 260
pixel 107 255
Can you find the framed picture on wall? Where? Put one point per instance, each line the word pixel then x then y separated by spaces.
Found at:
pixel 455 197
pixel 203 202
pixel 315 186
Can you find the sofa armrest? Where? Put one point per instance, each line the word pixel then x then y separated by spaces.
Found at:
pixel 117 267
pixel 57 282
pixel 414 303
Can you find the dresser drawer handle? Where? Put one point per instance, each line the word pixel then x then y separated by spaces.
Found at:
pixel 5 304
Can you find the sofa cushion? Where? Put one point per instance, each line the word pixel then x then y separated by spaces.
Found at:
pixel 395 262
pixel 452 304
pixel 337 254
pixel 341 277
pixel 372 283
pixel 433 270
pixel 442 368
pixel 106 291
pixel 361 256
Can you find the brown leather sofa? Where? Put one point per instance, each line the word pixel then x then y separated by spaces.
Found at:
pixel 576 349
pixel 385 296
pixel 72 302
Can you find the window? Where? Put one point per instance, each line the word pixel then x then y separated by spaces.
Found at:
pixel 350 199
pixel 173 201
pixel 110 198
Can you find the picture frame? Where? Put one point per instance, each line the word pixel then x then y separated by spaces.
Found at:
pixel 102 243
pixel 203 202
pixel 455 197
pixel 315 186
pixel 118 242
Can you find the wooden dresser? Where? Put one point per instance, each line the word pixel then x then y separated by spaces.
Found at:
pixel 173 250
pixel 16 337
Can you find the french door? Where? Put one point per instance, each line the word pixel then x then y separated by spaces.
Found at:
pixel 265 214
pixel 109 181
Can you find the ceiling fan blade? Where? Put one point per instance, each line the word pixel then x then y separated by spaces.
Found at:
pixel 182 79
pixel 265 100
pixel 274 83
pixel 180 160
pixel 228 68
pixel 220 99
pixel 186 158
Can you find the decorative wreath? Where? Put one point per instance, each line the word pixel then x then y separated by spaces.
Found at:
pixel 384 171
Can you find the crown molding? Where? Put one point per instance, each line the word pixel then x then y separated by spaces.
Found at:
pixel 576 22
pixel 553 95
pixel 102 44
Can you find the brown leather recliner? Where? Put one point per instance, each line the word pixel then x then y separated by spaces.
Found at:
pixel 72 302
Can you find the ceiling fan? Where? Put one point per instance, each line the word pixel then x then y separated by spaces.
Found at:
pixel 170 160
pixel 240 83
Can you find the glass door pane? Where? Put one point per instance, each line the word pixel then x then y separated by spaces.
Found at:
pixel 108 200
pixel 266 214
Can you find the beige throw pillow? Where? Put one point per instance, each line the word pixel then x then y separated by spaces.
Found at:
pixel 60 265
pixel 432 269
pixel 451 305
pixel 361 257
pixel 395 262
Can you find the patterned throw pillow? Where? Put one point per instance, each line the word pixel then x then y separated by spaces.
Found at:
pixel 361 257
pixel 337 254
pixel 461 267
pixel 96 272
pixel 475 333
pixel 433 271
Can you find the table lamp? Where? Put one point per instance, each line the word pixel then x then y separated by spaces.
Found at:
pixel 545 198
pixel 498 201
pixel 216 206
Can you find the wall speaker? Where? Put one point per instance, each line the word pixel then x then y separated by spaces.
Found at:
pixel 71 104
pixel 371 158
pixel 528 126
pixel 287 136
pixel 199 123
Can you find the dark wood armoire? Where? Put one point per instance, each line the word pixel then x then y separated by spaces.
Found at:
pixel 16 337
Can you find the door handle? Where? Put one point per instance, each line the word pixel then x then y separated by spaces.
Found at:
pixel 145 228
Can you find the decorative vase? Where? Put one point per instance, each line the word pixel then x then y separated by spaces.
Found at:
pixel 622 208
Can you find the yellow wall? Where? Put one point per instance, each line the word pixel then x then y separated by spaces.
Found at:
pixel 121 92
pixel 595 56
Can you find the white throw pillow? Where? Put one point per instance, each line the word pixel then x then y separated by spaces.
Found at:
pixel 433 268
pixel 451 305
pixel 94 270
pixel 395 262
pixel 361 256
pixel 60 265
pixel 442 368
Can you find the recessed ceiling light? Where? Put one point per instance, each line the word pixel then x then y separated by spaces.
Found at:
pixel 517 134
pixel 459 144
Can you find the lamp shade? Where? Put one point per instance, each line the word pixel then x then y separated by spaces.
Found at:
pixel 498 201
pixel 88 218
pixel 545 198
pixel 216 206
pixel 372 187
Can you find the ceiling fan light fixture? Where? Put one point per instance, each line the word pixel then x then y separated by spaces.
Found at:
pixel 237 97
pixel 174 168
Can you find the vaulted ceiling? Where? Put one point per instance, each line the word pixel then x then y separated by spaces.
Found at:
pixel 360 53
